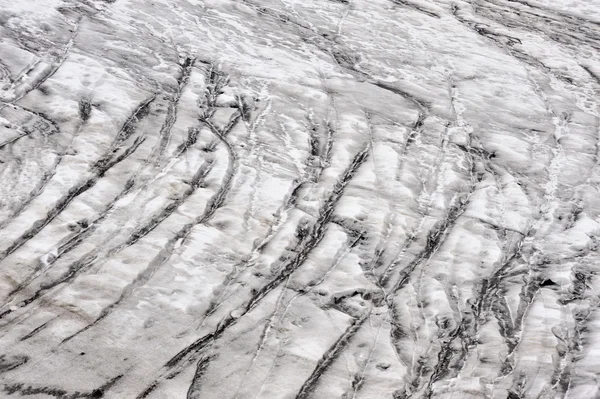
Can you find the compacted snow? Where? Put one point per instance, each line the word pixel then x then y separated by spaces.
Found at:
pixel 299 199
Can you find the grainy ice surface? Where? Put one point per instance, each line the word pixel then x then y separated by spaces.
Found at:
pixel 245 199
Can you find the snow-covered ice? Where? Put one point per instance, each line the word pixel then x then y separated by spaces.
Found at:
pixel 232 199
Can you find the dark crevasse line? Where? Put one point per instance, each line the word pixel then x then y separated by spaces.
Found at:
pixel 386 276
pixel 376 261
pixel 40 80
pixel 87 260
pixel 278 16
pixel 232 277
pixel 508 44
pixel 127 130
pixel 86 229
pixel 446 355
pixel 416 7
pixel 165 131
pixel 559 28
pixel 8 363
pixel 490 289
pixel 76 239
pixel 336 303
pixel 330 356
pixel 317 151
pixel 138 234
pixel 309 236
pixel 593 75
pixel 53 125
pixel 36 330
pixel 99 171
pixel 348 62
pixel 107 161
pixel 435 239
pixel 194 183
pixel 451 357
pixel 562 14
pixel 84 113
pixel 89 228
pixel 201 367
pixel 214 203
pixel 574 341
pixel 28 390
pixel 55 211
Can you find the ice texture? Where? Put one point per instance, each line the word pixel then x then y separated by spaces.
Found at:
pixel 317 199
